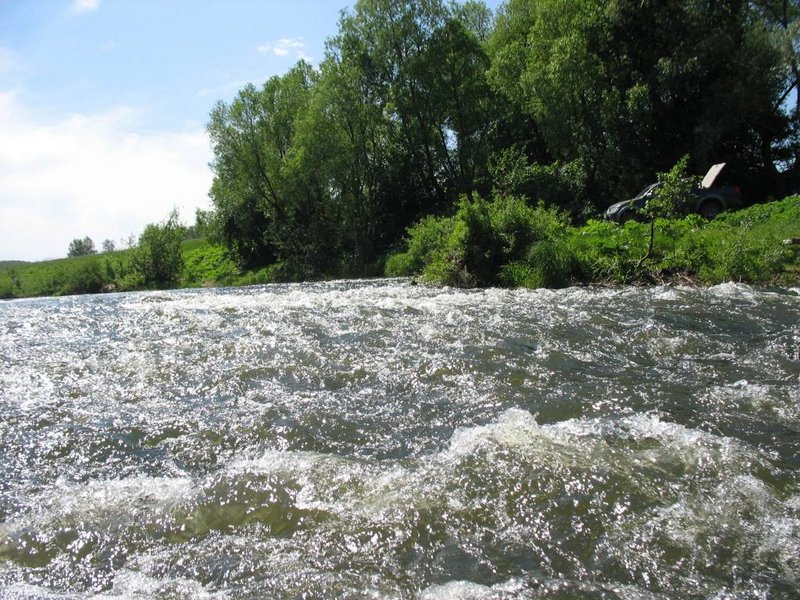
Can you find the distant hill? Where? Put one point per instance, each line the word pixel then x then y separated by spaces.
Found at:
pixel 7 264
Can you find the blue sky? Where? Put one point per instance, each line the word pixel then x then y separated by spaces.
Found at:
pixel 103 106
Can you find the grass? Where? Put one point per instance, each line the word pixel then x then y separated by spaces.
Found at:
pixel 204 264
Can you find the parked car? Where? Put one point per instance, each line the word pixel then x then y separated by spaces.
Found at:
pixel 707 200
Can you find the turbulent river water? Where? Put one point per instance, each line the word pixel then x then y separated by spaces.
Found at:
pixel 375 439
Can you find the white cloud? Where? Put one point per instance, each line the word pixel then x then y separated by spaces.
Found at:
pixel 85 5
pixel 285 47
pixel 91 175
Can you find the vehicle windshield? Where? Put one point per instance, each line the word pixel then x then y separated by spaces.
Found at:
pixel 648 191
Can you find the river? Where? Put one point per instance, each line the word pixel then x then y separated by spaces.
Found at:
pixel 376 439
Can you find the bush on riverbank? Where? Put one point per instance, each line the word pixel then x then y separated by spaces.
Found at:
pixel 503 242
pixel 506 242
pixel 205 263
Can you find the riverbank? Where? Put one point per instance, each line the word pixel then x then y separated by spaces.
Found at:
pixel 499 243
pixel 507 243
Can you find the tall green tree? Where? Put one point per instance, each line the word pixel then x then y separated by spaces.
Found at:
pixel 252 139
pixel 418 111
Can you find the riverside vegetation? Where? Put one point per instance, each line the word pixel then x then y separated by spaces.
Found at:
pixel 502 242
pixel 425 113
pixel 506 242
pixel 439 140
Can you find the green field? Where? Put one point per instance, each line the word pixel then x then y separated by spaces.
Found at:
pixel 203 264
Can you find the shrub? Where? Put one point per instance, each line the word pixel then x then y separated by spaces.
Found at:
pixel 552 264
pixel 519 226
pixel 604 252
pixel 481 242
pixel 204 262
pixel 423 241
pixel 158 260
pixel 85 277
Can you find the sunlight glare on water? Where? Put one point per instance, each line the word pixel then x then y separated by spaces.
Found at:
pixel 375 439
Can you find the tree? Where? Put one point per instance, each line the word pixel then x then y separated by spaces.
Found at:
pixel 84 278
pixel 109 246
pixel 673 191
pixel 157 259
pixel 401 120
pixel 626 87
pixel 252 139
pixel 81 247
pixel 422 63
pixel 204 221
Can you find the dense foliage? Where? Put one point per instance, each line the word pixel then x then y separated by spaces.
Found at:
pixel 421 107
pixel 157 261
pixel 507 242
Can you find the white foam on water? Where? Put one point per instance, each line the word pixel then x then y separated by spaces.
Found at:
pixel 279 462
pixel 130 585
pixel 458 590
pixel 514 427
pixel 585 441
pixel 347 488
pixel 102 503
pixel 26 591
pixel 534 589
pixel 27 387
pixel 779 403
pixel 739 516
pixel 378 492
pixel 738 291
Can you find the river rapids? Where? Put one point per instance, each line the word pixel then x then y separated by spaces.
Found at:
pixel 376 439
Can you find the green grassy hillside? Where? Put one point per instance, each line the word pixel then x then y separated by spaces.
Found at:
pixel 204 264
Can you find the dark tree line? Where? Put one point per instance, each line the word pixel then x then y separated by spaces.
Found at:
pixel 575 102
